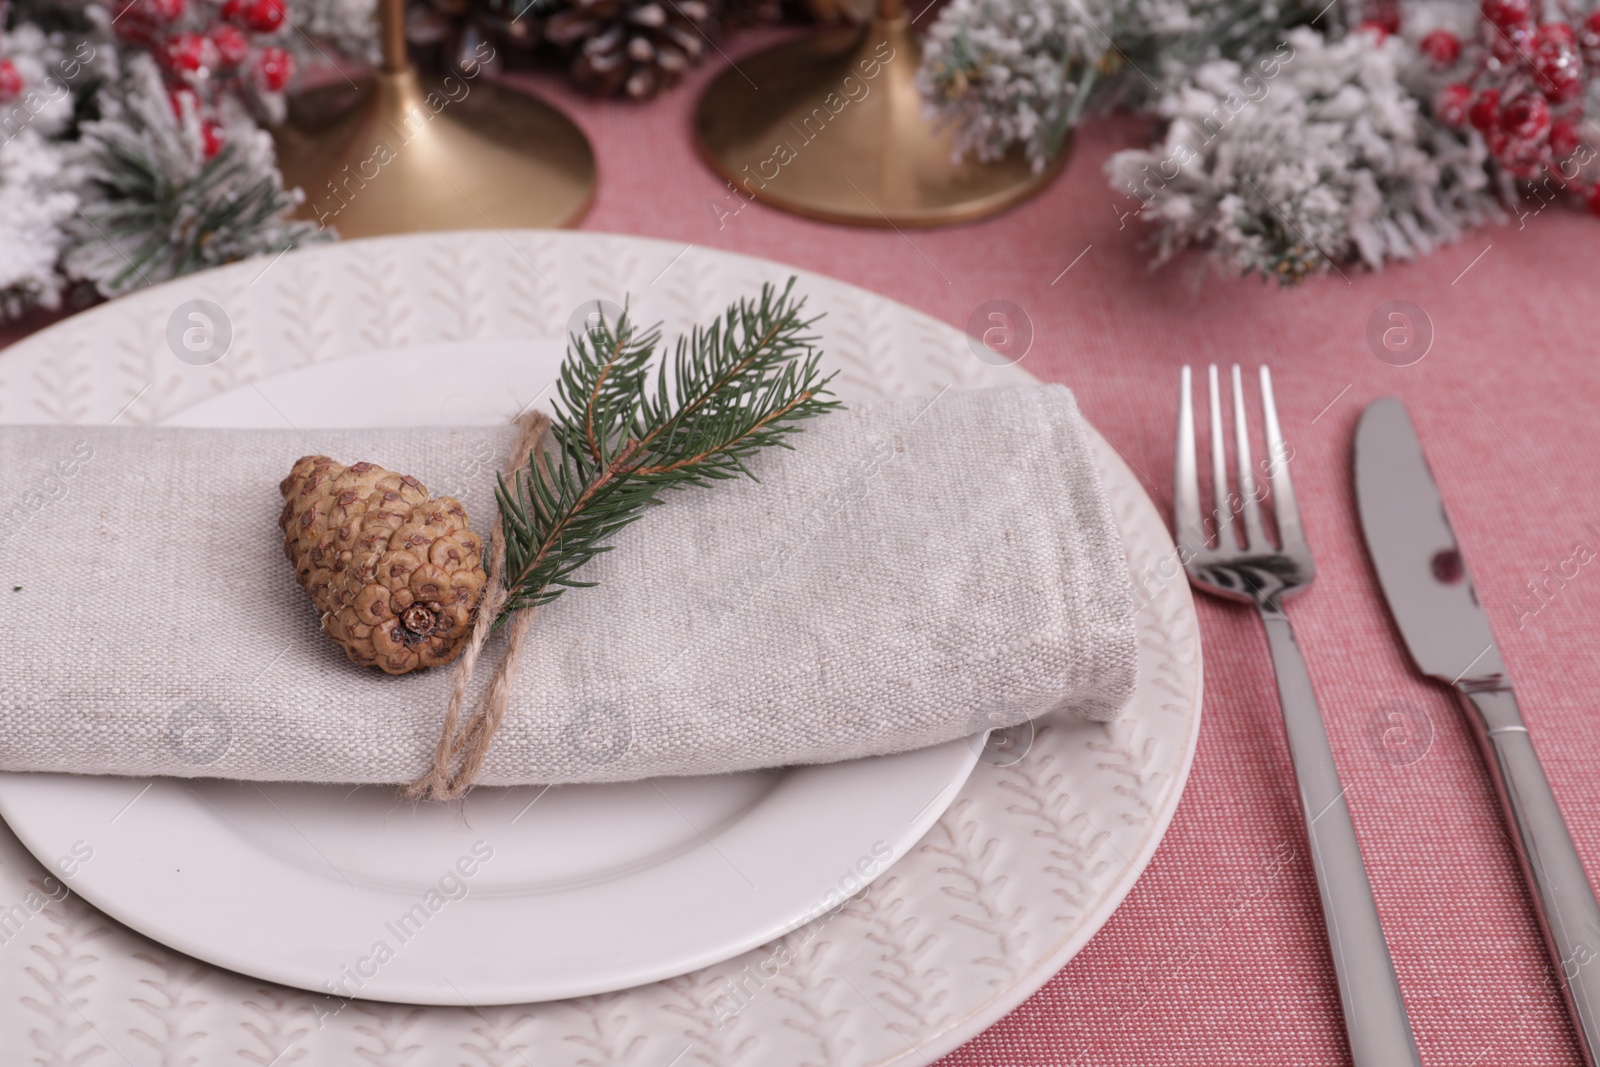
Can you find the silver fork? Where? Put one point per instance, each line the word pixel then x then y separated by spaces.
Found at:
pixel 1266 575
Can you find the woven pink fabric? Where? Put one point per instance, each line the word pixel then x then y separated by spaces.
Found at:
pixel 1218 955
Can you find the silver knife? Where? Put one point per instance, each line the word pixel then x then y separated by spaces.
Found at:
pixel 1436 608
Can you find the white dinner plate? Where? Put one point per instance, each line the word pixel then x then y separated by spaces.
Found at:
pixel 1040 846
pixel 512 895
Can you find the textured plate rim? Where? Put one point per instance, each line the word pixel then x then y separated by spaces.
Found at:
pixel 982 1015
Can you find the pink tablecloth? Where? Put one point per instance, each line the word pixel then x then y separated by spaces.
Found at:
pixel 1218 956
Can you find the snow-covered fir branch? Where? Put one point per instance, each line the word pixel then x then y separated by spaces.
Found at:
pixel 116 172
pixel 157 205
pixel 1319 160
pixel 38 182
pixel 1021 72
pixel 327 28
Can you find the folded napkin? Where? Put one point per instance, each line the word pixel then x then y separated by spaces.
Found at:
pixel 913 571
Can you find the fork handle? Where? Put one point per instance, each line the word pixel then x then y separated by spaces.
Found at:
pixel 1374 1013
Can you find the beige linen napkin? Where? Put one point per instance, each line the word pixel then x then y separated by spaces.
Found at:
pixel 914 570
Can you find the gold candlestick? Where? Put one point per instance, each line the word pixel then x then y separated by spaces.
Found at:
pixel 397 152
pixel 831 127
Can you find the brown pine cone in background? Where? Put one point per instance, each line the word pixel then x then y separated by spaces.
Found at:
pixel 852 12
pixel 395 573
pixel 451 35
pixel 627 48
pixel 737 14
pixel 633 48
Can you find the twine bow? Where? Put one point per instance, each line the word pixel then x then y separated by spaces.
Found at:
pixel 463 744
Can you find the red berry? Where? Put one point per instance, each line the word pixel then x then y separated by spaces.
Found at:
pixel 1563 30
pixel 1527 118
pixel 1505 13
pixel 1564 139
pixel 1451 103
pixel 232 46
pixel 190 53
pixel 10 80
pixel 233 10
pixel 274 67
pixel 263 16
pixel 211 137
pixel 182 100
pixel 1589 38
pixel 1484 114
pixel 1510 44
pixel 1376 28
pixel 149 12
pixel 1557 63
pixel 1381 15
pixel 141 22
pixel 1442 48
pixel 1523 158
pixel 133 31
pixel 128 31
pixel 1592 198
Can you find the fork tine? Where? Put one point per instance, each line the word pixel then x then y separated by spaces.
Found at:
pixel 1291 535
pixel 1223 515
pixel 1255 533
pixel 1186 477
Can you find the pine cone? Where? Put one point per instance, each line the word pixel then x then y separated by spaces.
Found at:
pixel 633 47
pixel 449 35
pixel 395 573
pixel 737 14
pixel 850 12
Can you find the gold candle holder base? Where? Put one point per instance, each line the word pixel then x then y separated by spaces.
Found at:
pixel 399 153
pixel 831 127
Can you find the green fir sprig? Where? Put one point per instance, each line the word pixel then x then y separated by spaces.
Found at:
pixel 160 229
pixel 745 382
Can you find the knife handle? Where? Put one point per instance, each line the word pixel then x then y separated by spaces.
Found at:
pixel 1374 1013
pixel 1562 895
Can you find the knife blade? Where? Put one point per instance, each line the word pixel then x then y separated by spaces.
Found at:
pixel 1414 551
pixel 1436 608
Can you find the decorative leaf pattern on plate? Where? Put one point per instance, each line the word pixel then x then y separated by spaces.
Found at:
pixel 1010 883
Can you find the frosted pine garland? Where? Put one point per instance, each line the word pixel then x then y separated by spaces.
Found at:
pixel 37 180
pixel 348 27
pixel 112 177
pixel 34 210
pixel 156 206
pixel 1006 72
pixel 1318 160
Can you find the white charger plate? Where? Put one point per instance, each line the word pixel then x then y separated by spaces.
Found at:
pixel 1002 891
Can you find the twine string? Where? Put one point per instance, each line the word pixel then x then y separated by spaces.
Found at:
pixel 463 745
